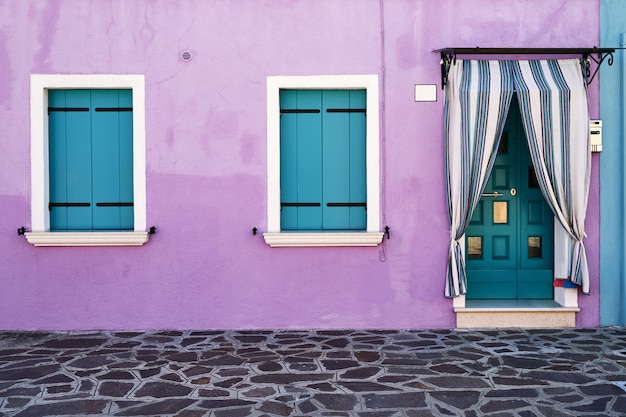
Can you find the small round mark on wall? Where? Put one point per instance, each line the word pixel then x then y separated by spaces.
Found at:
pixel 186 56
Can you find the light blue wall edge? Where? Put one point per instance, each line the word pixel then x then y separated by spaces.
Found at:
pixel 612 167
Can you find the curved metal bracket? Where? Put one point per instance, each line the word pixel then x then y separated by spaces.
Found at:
pixel 447 59
pixel 608 57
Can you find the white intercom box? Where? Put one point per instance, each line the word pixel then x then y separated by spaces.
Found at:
pixel 595 131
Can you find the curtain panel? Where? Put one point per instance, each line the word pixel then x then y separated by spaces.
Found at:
pixel 552 95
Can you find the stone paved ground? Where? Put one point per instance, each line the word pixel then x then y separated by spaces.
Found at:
pixel 557 372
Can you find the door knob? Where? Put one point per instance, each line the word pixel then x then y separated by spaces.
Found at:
pixel 513 191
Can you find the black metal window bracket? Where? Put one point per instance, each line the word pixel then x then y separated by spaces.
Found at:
pixel 113 109
pixel 51 205
pixel 364 205
pixel 364 111
pixel 298 111
pixel 300 204
pixel 67 109
pixel 598 55
pixel 114 204
pixel 86 109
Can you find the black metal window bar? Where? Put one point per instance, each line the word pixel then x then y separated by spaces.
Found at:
pixel 340 204
pixel 598 55
pixel 51 205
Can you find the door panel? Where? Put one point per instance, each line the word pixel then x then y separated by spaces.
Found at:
pixel 535 284
pixel 536 226
pixel 509 242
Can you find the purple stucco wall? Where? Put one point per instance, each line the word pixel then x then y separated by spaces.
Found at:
pixel 206 153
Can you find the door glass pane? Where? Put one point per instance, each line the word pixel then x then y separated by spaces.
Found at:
pixel 500 215
pixel 475 247
pixel 532 178
pixel 534 247
pixel 503 147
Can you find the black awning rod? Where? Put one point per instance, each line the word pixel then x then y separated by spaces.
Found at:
pixel 448 56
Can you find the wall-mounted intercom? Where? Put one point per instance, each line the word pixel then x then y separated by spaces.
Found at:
pixel 595 131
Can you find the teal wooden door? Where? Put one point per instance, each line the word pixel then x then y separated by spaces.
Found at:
pixel 509 242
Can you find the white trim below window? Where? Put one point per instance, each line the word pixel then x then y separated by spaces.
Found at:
pixel 277 240
pixel 40 215
pixel 372 236
pixel 87 238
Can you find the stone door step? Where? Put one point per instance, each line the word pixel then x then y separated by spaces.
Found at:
pixel 515 317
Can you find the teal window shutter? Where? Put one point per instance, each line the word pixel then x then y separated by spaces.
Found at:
pixel 323 169
pixel 70 160
pixel 112 159
pixel 344 160
pixel 301 159
pixel 90 151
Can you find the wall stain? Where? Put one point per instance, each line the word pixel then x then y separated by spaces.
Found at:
pixel 48 19
pixel 5 70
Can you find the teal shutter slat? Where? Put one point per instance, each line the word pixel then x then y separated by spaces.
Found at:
pixel 78 137
pixel 57 159
pixel 127 214
pixel 288 161
pixel 91 159
pixel 358 167
pixel 309 149
pixel 106 159
pixel 336 145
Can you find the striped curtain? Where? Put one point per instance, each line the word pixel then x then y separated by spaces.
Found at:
pixel 553 103
pixel 478 96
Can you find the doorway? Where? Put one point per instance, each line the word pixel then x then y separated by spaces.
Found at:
pixel 509 241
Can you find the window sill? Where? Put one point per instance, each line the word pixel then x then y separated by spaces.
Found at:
pixel 296 239
pixel 86 238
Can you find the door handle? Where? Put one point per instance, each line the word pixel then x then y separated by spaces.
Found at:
pixel 494 194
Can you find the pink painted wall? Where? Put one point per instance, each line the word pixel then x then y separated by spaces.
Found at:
pixel 206 152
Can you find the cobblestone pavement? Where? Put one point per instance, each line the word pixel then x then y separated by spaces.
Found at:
pixel 370 373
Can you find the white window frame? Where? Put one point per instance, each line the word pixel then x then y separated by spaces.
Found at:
pixel 372 236
pixel 39 162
